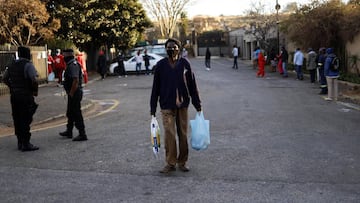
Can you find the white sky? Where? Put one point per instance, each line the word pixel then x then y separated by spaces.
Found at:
pixel 232 7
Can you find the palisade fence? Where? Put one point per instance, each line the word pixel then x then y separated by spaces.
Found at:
pixel 38 57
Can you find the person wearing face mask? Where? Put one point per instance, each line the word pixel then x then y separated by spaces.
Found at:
pixel 173 86
pixel 20 77
pixel 59 65
pixel 73 87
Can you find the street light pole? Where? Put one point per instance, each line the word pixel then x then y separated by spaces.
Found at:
pixel 277 7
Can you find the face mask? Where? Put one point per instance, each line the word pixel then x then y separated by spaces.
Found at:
pixel 170 53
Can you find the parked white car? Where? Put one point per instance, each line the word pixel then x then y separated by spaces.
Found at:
pixel 130 64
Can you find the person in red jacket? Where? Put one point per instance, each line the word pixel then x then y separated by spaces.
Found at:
pixel 261 65
pixel 81 59
pixel 59 65
pixel 50 62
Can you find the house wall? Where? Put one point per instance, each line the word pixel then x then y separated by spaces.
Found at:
pixel 353 49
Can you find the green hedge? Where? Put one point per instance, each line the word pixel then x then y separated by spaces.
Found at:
pixel 350 77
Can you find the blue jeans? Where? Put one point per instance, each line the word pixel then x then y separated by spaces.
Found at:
pixel 284 69
pixel 138 68
pixel 235 62
pixel 299 74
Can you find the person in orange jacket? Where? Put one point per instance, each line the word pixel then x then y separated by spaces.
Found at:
pixel 81 60
pixel 59 65
pixel 261 65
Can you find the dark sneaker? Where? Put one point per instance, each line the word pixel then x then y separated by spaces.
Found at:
pixel 29 147
pixel 168 169
pixel 80 138
pixel 66 134
pixel 183 168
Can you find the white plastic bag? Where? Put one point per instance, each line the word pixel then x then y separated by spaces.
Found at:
pixel 155 136
pixel 200 132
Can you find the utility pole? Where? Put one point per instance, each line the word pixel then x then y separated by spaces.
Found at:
pixel 277 7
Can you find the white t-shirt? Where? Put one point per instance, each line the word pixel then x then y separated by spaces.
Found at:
pixel 138 58
pixel 235 52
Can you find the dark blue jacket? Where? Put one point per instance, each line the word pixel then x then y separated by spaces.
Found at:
pixel 173 86
pixel 328 60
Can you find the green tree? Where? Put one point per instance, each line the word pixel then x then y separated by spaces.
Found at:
pixel 93 23
pixel 316 25
pixel 325 24
pixel 26 22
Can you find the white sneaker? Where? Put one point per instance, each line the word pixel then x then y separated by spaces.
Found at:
pixel 207 69
pixel 328 99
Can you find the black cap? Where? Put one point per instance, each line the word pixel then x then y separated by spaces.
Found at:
pixel 24 52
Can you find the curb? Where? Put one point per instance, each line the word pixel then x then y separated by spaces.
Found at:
pixel 60 116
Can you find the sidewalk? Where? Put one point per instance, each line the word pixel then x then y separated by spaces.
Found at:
pixel 52 105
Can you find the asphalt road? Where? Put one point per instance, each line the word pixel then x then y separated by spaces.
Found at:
pixel 272 140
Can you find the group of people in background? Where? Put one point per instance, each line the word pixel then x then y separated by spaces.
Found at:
pixel 321 61
pixel 57 65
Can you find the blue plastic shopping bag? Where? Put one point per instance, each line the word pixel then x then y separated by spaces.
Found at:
pixel 51 76
pixel 200 132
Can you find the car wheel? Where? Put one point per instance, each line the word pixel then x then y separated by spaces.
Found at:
pixel 116 70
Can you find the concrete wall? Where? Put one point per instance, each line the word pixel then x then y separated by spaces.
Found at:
pixel 353 48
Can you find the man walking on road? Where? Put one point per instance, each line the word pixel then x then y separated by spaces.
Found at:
pixel 174 83
pixel 21 79
pixel 235 53
pixel 72 85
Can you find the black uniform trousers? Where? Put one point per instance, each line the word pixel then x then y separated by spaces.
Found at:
pixel 23 108
pixel 74 114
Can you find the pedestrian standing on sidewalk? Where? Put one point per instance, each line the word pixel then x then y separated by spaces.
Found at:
pixel 284 60
pixel 207 58
pixel 273 60
pixel 279 63
pixel 59 66
pixel 121 67
pixel 101 64
pixel 331 75
pixel 81 59
pixel 320 60
pixel 298 62
pixel 235 53
pixel 73 87
pixel 146 59
pixel 138 59
pixel 174 83
pixel 50 62
pixel 311 64
pixel 261 65
pixel 20 77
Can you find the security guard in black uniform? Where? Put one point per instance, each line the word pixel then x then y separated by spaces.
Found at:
pixel 73 87
pixel 20 76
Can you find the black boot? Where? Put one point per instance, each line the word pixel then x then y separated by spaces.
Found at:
pixel 66 133
pixel 19 145
pixel 81 137
pixel 29 147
